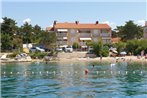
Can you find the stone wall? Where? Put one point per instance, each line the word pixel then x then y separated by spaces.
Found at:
pixel 75 55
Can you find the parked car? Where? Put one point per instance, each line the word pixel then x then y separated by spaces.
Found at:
pixel 46 49
pixel 90 49
pixel 40 49
pixel 33 49
pixel 59 49
pixel 68 49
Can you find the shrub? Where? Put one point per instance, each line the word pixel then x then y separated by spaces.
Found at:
pixel 120 46
pixel 100 49
pixel 38 55
pixel 13 55
pixel 136 46
pixel 105 51
pixel 75 45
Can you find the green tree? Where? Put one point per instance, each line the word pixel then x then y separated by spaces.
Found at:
pixel 36 33
pixel 6 43
pixel 99 48
pixel 48 39
pixel 120 46
pixel 105 51
pixel 114 33
pixel 136 46
pixel 8 32
pixel 27 32
pixel 75 45
pixel 130 31
pixel 8 26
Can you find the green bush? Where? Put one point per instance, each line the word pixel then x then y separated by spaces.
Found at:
pixel 136 46
pixel 38 55
pixel 105 51
pixel 75 45
pixel 120 46
pixel 13 55
pixel 100 49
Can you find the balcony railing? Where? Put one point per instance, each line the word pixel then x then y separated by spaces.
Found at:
pixel 62 34
pixel 106 41
pixel 82 43
pixel 62 42
pixel 96 35
pixel 105 35
pixel 85 34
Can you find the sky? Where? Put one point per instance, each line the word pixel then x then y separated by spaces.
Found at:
pixel 45 12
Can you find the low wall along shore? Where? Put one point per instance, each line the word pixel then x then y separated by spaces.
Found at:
pixel 74 55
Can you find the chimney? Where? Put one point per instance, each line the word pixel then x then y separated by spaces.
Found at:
pixel 77 22
pixel 145 23
pixel 97 22
pixel 55 22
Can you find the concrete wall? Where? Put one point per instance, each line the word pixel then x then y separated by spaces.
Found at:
pixel 75 55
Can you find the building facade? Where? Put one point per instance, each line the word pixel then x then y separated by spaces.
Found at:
pixel 145 31
pixel 69 33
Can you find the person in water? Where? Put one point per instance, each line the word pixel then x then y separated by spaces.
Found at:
pixel 86 71
pixel 93 65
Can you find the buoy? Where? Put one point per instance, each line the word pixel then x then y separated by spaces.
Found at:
pixel 86 71
pixel 10 72
pixel 40 72
pixel 111 72
pixel 25 72
pixel 113 64
pixel 118 72
pixel 32 72
pixel 141 72
pixel 126 72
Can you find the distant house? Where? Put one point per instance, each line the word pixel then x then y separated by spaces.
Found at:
pixel 116 40
pixel 68 33
pixel 145 31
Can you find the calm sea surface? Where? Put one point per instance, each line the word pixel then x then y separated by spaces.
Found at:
pixel 68 80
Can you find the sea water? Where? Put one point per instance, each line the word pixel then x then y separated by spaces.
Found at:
pixel 68 80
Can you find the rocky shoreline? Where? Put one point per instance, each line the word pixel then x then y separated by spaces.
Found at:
pixel 129 59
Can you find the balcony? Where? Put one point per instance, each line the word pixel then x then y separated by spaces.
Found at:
pixel 61 34
pixel 106 41
pixel 105 35
pixel 95 35
pixel 82 43
pixel 62 42
pixel 85 34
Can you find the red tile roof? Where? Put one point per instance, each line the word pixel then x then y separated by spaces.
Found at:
pixel 49 28
pixel 81 26
pixel 116 40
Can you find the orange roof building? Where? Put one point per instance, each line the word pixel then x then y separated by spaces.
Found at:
pixel 116 40
pixel 68 33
